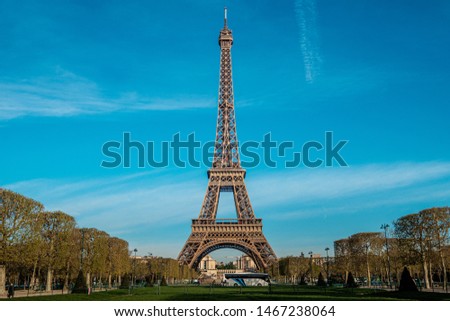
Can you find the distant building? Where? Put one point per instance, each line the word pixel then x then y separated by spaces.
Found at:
pixel 208 263
pixel 244 263
pixel 208 267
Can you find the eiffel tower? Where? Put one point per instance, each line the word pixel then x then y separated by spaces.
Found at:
pixel 243 233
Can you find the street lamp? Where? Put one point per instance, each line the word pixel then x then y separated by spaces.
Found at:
pixel 385 228
pixel 369 275
pixel 82 249
pixel 311 265
pixel 134 268
pixel 150 266
pixel 328 264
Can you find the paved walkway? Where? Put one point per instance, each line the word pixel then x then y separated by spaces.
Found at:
pixel 32 293
pixel 435 289
pixel 26 293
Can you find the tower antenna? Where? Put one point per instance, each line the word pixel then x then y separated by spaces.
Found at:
pixel 225 17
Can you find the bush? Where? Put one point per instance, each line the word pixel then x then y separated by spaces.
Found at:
pixel 406 282
pixel 321 280
pixel 302 280
pixel 149 281
pixel 125 282
pixel 351 281
pixel 80 284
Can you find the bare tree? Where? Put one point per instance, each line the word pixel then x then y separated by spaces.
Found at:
pixel 437 224
pixel 413 237
pixel 366 248
pixel 343 256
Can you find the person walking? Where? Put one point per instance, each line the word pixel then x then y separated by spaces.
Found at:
pixel 10 291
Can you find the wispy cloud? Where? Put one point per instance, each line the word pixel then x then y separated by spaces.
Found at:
pixel 141 196
pixel 67 94
pixel 330 183
pixel 336 191
pixel 131 205
pixel 168 196
pixel 306 19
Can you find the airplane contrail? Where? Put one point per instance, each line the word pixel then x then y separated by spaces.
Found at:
pixel 305 11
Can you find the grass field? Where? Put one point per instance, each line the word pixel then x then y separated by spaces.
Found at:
pixel 283 293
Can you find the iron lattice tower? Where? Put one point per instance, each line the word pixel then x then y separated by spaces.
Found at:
pixel 243 233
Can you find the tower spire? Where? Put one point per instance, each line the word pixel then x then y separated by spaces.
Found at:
pixel 225 18
pixel 226 152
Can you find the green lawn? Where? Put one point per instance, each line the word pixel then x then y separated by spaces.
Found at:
pixel 200 293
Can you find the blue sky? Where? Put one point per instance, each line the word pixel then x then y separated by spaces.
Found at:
pixel 76 74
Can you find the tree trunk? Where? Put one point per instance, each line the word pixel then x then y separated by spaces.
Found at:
pixel 33 276
pixel 388 277
pixel 369 283
pixel 66 282
pixel 425 272
pixel 430 271
pixel 2 279
pixel 50 267
pixel 110 281
pixel 444 270
pixel 66 278
pixel 48 288
pixel 88 279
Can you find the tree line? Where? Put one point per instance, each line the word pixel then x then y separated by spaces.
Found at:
pixel 150 270
pixel 419 241
pixel 41 249
pixel 44 249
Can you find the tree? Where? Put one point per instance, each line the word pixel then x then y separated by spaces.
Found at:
pixel 17 214
pixel 118 259
pixel 56 232
pixel 163 281
pixel 437 220
pixel 406 282
pixel 411 235
pixel 71 258
pixel 295 268
pixel 422 235
pixel 100 257
pixel 170 269
pixel 36 245
pixel 397 260
pixel 343 256
pixel 365 249
pixel 360 253
pixel 126 281
pixel 227 266
pixel 95 249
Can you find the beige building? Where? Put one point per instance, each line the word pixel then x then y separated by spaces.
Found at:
pixel 244 263
pixel 208 263
pixel 208 267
